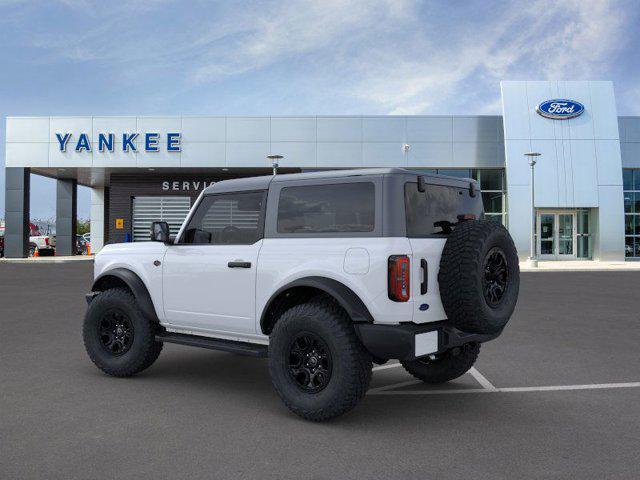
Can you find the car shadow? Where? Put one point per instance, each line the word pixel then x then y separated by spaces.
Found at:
pixel 244 380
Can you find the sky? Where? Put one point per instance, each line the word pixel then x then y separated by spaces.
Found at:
pixel 146 57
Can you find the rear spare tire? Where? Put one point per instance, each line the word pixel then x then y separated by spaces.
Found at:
pixel 479 277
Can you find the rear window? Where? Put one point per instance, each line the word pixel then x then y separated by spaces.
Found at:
pixel 344 207
pixel 435 211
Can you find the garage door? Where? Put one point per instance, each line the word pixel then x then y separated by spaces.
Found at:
pixel 172 210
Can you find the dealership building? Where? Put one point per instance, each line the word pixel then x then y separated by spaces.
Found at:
pixel 140 169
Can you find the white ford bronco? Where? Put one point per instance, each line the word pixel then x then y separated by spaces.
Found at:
pixel 324 273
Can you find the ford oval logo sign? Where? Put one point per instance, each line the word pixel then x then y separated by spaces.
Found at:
pixel 560 109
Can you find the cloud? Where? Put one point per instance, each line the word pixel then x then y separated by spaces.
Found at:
pixel 390 56
pixel 539 40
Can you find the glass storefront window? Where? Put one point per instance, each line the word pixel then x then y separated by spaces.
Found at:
pixel 629 224
pixel 491 180
pixel 492 202
pixel 628 202
pixel 584 235
pixel 627 179
pixel 455 172
pixel 631 181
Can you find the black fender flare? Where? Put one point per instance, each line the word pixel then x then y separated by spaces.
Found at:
pixel 347 298
pixel 135 284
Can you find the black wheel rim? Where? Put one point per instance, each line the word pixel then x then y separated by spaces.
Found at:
pixel 309 362
pixel 496 276
pixel 116 333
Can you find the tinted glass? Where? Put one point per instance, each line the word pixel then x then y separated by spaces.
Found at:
pixel 492 202
pixel 491 179
pixel 455 172
pixel 346 207
pixel 627 179
pixel 227 220
pixel 628 202
pixel 629 247
pixel 435 211
pixel 629 227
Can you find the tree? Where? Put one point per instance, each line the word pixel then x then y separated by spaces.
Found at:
pixel 84 226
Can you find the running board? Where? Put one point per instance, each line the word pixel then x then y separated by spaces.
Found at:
pixel 231 346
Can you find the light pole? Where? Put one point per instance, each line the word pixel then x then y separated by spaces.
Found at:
pixel 533 261
pixel 274 162
pixel 405 152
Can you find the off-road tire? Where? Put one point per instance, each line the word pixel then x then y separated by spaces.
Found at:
pixel 464 269
pixel 143 350
pixel 446 368
pixel 351 363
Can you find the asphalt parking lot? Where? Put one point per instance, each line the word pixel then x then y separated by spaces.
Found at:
pixel 556 396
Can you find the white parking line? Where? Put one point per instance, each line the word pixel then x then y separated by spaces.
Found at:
pixel 549 388
pixel 387 365
pixel 588 386
pixel 481 379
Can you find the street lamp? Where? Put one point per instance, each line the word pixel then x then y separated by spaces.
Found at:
pixel 274 162
pixel 533 261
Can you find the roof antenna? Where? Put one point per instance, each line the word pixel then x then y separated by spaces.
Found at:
pixel 274 162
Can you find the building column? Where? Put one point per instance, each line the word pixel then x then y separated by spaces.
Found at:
pixel 66 217
pixel 97 219
pixel 17 190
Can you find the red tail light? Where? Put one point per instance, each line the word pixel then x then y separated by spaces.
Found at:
pixel 46 241
pixel 399 288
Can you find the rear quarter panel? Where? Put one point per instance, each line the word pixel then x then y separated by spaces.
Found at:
pixel 283 260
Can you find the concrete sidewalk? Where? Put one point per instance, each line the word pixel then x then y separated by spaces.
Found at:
pixel 53 259
pixel 579 266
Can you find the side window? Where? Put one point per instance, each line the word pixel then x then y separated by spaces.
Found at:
pixel 343 207
pixel 227 219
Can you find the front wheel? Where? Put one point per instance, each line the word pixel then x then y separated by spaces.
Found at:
pixel 118 338
pixel 451 365
pixel 318 366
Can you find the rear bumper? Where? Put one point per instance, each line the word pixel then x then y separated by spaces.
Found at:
pixel 411 341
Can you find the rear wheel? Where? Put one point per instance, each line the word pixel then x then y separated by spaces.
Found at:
pixel 449 366
pixel 318 366
pixel 118 338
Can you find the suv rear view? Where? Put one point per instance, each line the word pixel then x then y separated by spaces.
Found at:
pixel 324 273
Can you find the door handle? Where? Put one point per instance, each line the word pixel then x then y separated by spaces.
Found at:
pixel 425 276
pixel 239 264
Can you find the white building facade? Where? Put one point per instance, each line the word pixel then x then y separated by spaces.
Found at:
pixel 587 178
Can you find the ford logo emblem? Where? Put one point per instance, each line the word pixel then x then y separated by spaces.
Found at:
pixel 560 109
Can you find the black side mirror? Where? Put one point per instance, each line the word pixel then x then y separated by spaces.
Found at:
pixel 160 232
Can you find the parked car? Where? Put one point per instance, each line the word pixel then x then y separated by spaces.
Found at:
pixel 324 273
pixel 1 242
pixel 44 243
pixel 81 245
